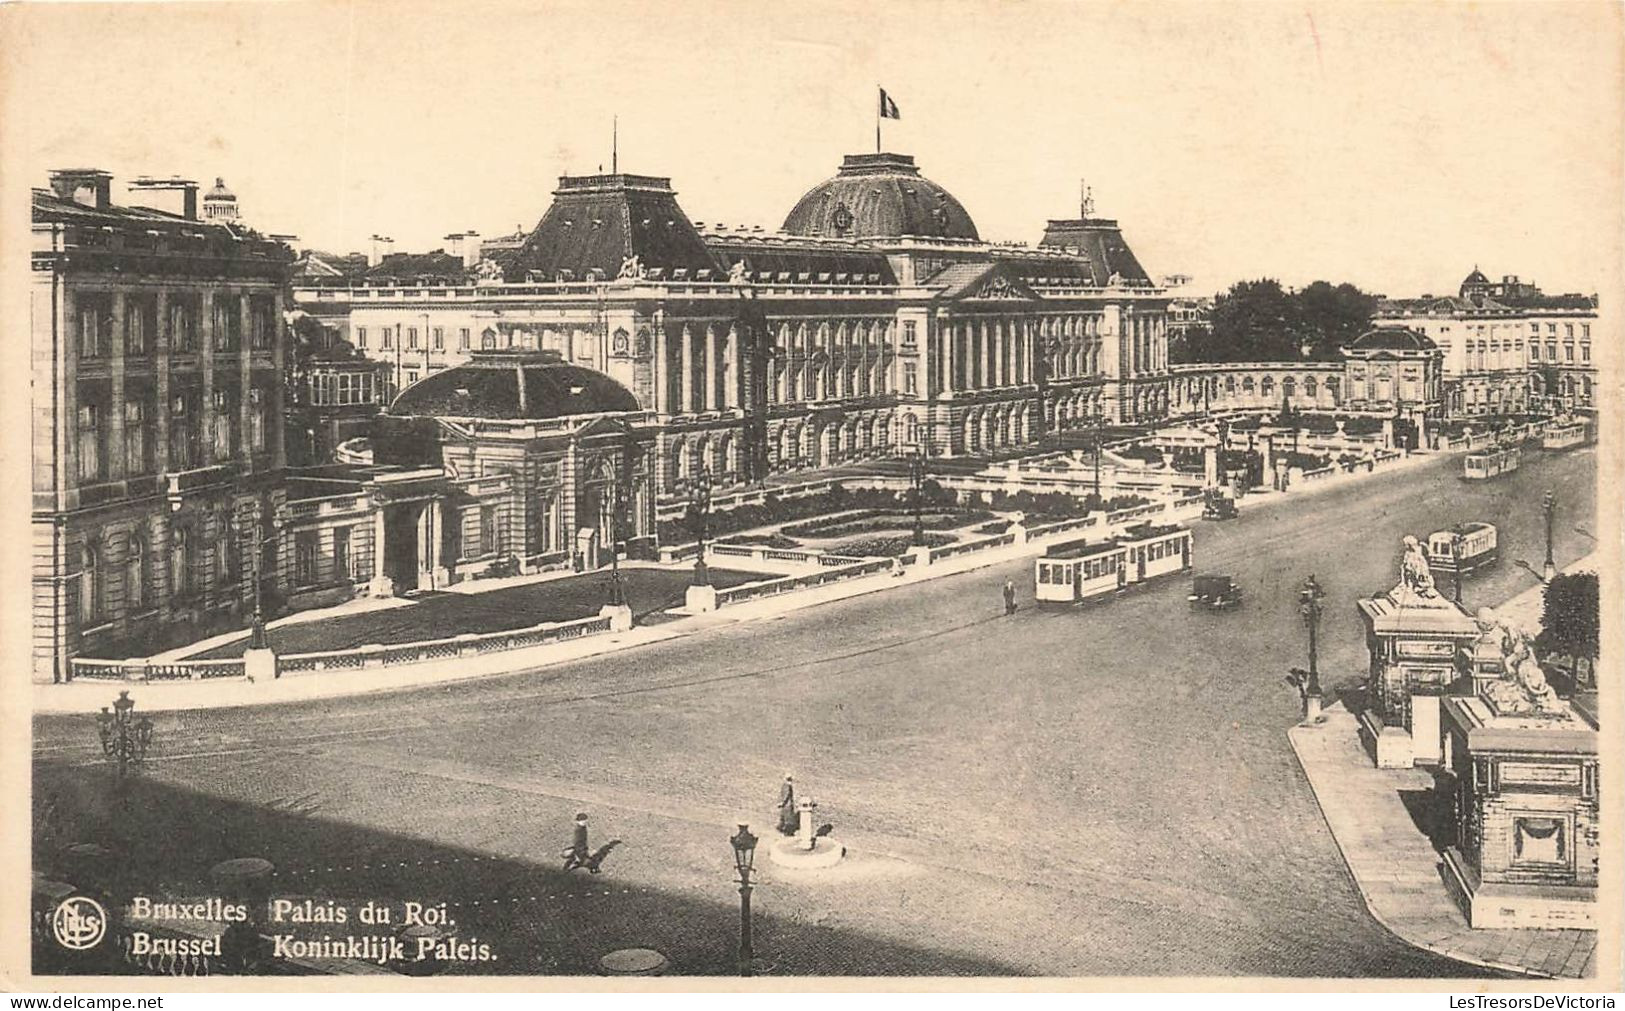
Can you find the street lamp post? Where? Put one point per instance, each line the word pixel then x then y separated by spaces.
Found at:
pixel 700 497
pixel 744 846
pixel 257 635
pixel 916 477
pixel 1097 427
pixel 1549 505
pixel 1309 607
pixel 1455 558
pixel 124 738
pixel 617 593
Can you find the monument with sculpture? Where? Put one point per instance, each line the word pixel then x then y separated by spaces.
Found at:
pixel 1417 639
pixel 1523 763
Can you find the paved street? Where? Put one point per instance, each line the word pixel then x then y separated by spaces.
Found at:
pixel 1105 790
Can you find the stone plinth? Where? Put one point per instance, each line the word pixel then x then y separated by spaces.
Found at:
pixel 1415 644
pixel 921 555
pixel 826 852
pixel 1526 805
pixel 700 599
pixel 259 664
pixel 620 615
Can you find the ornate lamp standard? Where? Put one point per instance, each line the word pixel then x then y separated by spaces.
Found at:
pixel 916 479
pixel 744 844
pixel 1310 608
pixel 1455 557
pixel 256 638
pixel 124 738
pixel 617 593
pixel 700 503
pixel 1549 505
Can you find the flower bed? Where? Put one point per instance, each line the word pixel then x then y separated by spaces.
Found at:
pixel 774 510
pixel 876 520
pixel 762 541
pixel 888 547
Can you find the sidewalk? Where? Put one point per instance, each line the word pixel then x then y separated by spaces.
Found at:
pixel 1397 869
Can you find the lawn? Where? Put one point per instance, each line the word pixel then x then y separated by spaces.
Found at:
pixel 442 615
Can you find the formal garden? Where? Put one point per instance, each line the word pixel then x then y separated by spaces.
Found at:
pixel 879 522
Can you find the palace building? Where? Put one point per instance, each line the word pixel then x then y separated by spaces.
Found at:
pixel 876 322
pixel 1506 345
pixel 157 344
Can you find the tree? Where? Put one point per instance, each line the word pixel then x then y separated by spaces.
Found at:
pixel 1569 621
pixel 1261 321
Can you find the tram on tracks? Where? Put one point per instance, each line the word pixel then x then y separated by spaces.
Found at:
pixel 1563 435
pixel 1081 570
pixel 1466 547
pixel 1491 463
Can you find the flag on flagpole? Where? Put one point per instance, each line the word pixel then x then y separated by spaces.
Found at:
pixel 888 108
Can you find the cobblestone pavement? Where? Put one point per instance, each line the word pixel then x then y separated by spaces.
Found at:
pixel 1106 790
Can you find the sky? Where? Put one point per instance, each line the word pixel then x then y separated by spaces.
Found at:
pixel 1395 146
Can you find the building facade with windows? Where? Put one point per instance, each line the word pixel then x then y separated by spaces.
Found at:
pixel 876 321
pixel 1506 346
pixel 157 344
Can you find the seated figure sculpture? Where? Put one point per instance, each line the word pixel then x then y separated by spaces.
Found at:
pixel 1415 575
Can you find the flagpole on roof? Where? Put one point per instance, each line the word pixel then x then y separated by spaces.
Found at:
pixel 879 111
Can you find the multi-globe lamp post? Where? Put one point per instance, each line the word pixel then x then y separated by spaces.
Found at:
pixel 744 847
pixel 1548 504
pixel 916 478
pixel 124 738
pixel 700 503
pixel 1310 609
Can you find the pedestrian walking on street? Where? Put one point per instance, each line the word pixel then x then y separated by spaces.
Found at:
pixel 1009 597
pixel 581 855
pixel 789 821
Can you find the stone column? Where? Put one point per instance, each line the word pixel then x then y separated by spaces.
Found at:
pixel 661 404
pixel 115 406
pixel 379 585
pixel 686 380
pixel 245 372
pixel 1210 463
pixel 730 367
pixel 161 345
pixel 713 379
pixel 206 339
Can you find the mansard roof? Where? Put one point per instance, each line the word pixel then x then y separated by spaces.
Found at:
pixel 597 223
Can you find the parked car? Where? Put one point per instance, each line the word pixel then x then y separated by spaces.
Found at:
pixel 1215 592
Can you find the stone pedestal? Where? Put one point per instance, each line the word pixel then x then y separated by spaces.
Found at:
pixel 700 599
pixel 1311 709
pixel 259 664
pixel 921 555
pixel 825 852
pixel 1415 644
pixel 1526 801
pixel 380 586
pixel 620 615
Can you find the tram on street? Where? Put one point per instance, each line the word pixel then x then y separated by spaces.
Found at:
pixel 1490 463
pixel 1465 547
pixel 1080 570
pixel 1563 435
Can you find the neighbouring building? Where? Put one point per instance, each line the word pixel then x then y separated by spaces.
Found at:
pixel 875 321
pixel 1507 347
pixel 157 344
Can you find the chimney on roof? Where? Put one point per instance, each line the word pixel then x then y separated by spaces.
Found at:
pixel 471 249
pixel 85 187
pixel 173 195
pixel 382 246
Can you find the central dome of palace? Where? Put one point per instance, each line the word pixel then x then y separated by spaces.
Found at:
pixel 880 196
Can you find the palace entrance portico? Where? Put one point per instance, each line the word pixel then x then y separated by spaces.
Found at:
pixel 410 525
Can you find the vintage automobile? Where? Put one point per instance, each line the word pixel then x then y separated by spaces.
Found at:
pixel 1218 504
pixel 1216 593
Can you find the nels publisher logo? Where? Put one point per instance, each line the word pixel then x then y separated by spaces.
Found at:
pixel 79 923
